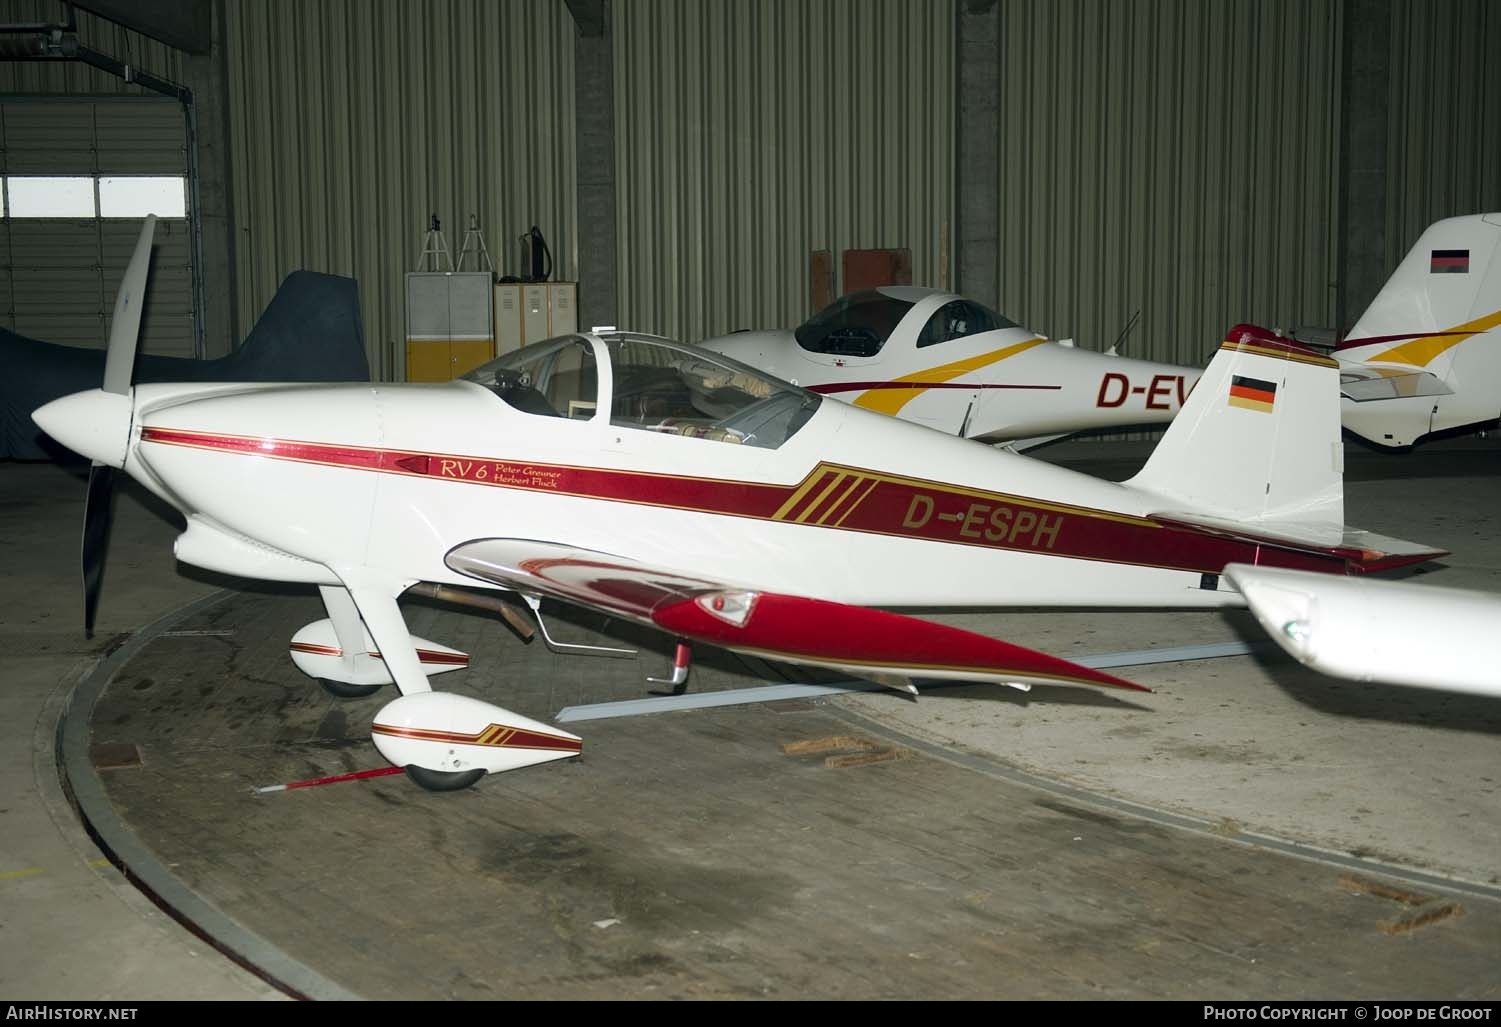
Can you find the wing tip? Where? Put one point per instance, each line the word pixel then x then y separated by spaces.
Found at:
pixel 1111 681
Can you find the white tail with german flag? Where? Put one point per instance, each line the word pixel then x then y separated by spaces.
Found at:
pixel 1448 280
pixel 1425 358
pixel 1258 439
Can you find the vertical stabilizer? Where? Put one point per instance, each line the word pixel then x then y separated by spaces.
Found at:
pixel 1425 358
pixel 1448 286
pixel 1258 438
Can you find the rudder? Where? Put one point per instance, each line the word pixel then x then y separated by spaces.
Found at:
pixel 1258 438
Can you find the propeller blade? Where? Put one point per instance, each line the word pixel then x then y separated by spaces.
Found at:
pixel 125 326
pixel 96 517
pixel 119 364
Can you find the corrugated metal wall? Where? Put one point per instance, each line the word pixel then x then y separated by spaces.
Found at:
pixel 353 120
pixel 749 132
pixel 72 76
pixel 59 276
pixel 1444 118
pixel 1170 156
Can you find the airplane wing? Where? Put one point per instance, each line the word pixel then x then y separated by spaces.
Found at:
pixel 1396 632
pixel 888 648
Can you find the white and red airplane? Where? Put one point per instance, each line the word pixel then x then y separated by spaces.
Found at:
pixel 949 363
pixel 671 486
pixel 1425 358
pixel 1398 633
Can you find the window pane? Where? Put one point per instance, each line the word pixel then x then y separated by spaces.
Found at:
pixel 672 389
pixel 35 197
pixel 136 196
pixel 553 379
pixel 856 325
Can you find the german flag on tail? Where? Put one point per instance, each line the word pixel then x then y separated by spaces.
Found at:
pixel 1449 262
pixel 1252 393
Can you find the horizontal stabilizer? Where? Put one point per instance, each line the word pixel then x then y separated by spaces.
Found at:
pixel 1362 551
pixel 1367 383
pixel 884 647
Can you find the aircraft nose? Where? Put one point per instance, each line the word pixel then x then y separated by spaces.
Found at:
pixel 95 424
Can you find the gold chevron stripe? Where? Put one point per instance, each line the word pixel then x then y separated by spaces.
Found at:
pixel 830 487
pixel 891 401
pixel 1420 352
pixel 855 483
pixel 802 491
pixel 856 505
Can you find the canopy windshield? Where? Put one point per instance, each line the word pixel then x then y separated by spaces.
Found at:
pixel 856 325
pixel 659 386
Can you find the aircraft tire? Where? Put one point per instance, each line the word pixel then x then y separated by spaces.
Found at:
pixel 442 780
pixel 344 690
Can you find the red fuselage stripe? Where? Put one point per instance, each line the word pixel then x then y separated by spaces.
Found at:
pixel 833 387
pixel 889 505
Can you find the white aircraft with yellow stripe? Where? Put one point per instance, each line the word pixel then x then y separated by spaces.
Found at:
pixel 941 360
pixel 1425 359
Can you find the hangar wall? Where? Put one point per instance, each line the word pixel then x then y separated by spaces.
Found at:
pixel 1173 157
pixel 1444 116
pixel 59 276
pixel 1164 155
pixel 750 132
pixel 352 120
pixel 74 77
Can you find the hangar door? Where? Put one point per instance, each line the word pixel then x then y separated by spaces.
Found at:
pixel 78 175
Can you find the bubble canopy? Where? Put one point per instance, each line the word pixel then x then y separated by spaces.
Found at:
pixel 654 384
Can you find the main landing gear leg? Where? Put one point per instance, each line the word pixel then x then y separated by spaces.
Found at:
pixel 345 617
pixel 444 741
pixel 389 629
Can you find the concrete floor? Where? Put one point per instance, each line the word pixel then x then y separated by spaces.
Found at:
pixel 71 925
pixel 728 867
pixel 1407 776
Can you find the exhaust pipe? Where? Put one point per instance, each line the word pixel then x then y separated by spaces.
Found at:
pixel 478 600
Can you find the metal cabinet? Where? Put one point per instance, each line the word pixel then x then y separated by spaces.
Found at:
pixel 527 312
pixel 450 329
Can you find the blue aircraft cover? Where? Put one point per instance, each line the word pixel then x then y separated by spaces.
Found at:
pixel 310 332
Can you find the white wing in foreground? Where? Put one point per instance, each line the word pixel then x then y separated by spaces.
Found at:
pixel 1392 632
